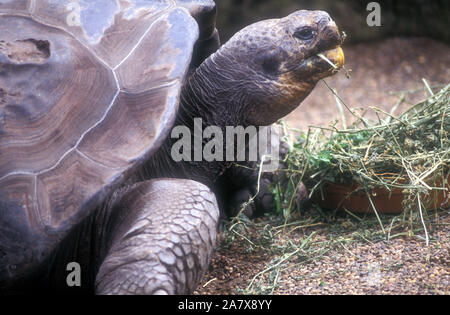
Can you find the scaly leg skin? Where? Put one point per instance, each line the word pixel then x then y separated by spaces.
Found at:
pixel 162 236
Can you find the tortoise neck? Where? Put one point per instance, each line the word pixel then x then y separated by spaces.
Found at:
pixel 208 94
pixel 212 99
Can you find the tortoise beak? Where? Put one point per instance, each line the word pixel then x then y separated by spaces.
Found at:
pixel 336 56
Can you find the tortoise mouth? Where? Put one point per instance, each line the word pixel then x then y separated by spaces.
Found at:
pixel 321 65
pixel 333 57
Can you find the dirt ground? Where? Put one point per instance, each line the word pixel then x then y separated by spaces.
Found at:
pixel 342 256
pixel 346 255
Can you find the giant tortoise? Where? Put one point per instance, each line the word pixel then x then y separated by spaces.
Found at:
pixel 89 94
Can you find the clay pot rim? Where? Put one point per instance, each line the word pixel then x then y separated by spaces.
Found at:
pixel 354 198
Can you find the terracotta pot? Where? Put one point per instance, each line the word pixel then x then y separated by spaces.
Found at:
pixel 336 196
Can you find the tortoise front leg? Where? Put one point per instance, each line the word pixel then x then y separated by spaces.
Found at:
pixel 162 237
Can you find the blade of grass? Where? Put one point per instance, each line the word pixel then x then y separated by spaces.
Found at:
pixel 328 61
pixel 428 87
pixel 427 240
pixel 376 213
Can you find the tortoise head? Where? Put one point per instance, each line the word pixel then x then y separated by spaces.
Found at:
pixel 270 67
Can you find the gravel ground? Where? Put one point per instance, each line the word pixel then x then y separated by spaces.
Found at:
pixel 399 267
pixel 343 256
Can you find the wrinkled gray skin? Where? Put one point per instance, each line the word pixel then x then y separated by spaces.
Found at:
pixel 157 236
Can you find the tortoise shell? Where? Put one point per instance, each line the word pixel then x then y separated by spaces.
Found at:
pixel 88 91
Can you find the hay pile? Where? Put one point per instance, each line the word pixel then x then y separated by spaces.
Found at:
pixel 410 152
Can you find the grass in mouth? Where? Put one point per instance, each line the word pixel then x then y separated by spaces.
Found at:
pixel 328 61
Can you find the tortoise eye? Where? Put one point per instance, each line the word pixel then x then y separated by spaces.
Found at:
pixel 304 33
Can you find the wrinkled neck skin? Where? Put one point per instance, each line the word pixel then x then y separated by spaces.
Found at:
pixel 211 94
pixel 214 93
